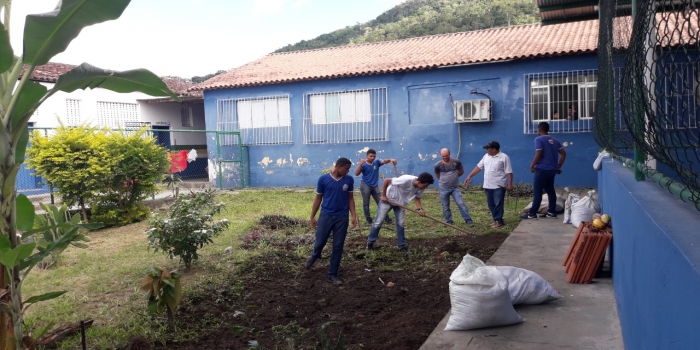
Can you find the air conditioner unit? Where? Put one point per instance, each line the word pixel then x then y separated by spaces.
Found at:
pixel 471 111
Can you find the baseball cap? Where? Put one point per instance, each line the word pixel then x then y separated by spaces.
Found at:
pixel 493 144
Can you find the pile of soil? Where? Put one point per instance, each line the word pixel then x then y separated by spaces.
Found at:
pixel 277 303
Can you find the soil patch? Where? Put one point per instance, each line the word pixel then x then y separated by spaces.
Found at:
pixel 274 302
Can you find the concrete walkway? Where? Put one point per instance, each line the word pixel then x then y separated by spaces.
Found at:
pixel 586 318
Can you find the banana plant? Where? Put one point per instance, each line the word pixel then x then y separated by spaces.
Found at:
pixel 45 35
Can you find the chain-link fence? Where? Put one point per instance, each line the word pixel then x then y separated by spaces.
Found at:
pixel 211 159
pixel 649 89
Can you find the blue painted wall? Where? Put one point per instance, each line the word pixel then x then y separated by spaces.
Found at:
pixel 420 123
pixel 656 261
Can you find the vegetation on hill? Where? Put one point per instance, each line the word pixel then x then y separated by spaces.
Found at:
pixel 414 18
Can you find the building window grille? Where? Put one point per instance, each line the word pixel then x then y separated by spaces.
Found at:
pixel 564 99
pixel 260 120
pixel 115 115
pixel 346 116
pixel 72 112
pixel 186 117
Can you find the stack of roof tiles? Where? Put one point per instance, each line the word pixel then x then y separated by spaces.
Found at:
pixel 586 253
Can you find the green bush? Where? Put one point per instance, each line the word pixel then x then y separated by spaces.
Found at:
pixel 75 161
pixel 188 226
pixel 140 163
pixel 111 171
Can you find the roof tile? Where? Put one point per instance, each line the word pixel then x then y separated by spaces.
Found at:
pixel 496 44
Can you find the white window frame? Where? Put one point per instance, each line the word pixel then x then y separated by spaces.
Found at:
pixel 346 116
pixel 73 112
pixel 560 90
pixel 115 115
pixel 263 120
pixel 186 117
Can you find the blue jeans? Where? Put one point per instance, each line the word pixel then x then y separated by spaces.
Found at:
pixel 339 226
pixel 456 193
pixel 495 198
pixel 382 211
pixel 367 191
pixel 544 179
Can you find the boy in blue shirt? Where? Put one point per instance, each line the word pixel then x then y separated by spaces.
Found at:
pixel 546 165
pixel 370 181
pixel 334 196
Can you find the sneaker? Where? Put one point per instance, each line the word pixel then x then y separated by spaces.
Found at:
pixel 450 222
pixel 370 221
pixel 389 221
pixel 404 250
pixel 309 262
pixel 335 280
pixel 528 216
pixel 370 246
pixel 549 215
pixel 470 222
pixel 497 224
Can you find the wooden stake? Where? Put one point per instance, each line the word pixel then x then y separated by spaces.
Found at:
pixel 396 173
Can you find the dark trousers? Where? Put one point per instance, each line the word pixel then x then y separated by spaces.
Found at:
pixel 325 225
pixel 544 180
pixel 495 197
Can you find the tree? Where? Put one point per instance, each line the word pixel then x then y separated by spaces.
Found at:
pixel 45 35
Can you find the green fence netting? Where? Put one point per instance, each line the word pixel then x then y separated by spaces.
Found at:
pixel 649 88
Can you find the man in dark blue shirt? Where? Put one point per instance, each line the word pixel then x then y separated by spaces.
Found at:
pixel 334 196
pixel 369 186
pixel 546 165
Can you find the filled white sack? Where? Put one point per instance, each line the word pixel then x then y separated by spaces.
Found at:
pixel 527 287
pixel 465 269
pixel 584 209
pixel 481 300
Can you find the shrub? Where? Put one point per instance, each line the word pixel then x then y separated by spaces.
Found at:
pixel 164 292
pixel 522 189
pixel 74 160
pixel 187 227
pixel 140 163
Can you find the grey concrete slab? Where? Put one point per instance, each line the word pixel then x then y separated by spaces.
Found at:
pixel 586 318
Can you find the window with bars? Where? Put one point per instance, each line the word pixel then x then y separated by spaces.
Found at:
pixel 116 114
pixel 186 117
pixel 261 120
pixel 565 99
pixel 679 90
pixel 346 116
pixel 72 112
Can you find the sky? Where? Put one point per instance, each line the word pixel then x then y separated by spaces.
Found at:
pixel 189 38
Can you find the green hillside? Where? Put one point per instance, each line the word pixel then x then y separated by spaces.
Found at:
pixel 426 17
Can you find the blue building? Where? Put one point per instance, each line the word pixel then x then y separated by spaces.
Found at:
pixel 298 112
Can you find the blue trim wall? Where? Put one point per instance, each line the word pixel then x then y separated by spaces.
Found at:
pixel 655 260
pixel 420 123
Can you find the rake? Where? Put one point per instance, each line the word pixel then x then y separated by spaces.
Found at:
pixel 432 218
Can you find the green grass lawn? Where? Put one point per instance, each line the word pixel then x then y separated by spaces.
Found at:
pixel 103 280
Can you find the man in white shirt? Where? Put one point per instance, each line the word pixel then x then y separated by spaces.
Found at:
pixel 399 190
pixel 498 178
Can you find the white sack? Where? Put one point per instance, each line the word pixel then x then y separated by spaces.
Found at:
pixel 527 287
pixel 570 200
pixel 481 301
pixel 584 209
pixel 465 269
pixel 598 163
pixel 544 205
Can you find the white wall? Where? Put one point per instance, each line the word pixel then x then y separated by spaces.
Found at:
pixel 168 114
pixel 55 107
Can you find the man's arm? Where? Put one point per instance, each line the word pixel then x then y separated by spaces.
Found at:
pixel 538 156
pixel 562 159
pixel 468 180
pixel 358 171
pixel 510 182
pixel 387 182
pixel 419 207
pixel 389 160
pixel 351 202
pixel 314 208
